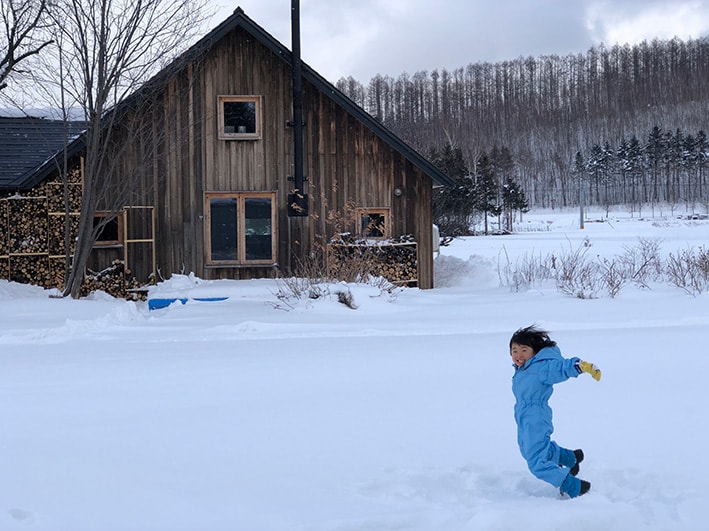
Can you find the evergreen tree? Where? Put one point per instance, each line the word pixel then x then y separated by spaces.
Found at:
pixel 654 150
pixel 580 171
pixel 486 189
pixel 623 168
pixel 453 206
pixel 579 165
pixel 702 158
pixel 502 162
pixel 450 159
pixel 688 162
pixel 595 169
pixel 629 169
pixel 672 157
pixel 503 166
pixel 636 173
pixel 513 200
pixel 608 165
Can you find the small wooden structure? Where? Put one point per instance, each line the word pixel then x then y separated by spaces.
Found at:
pixel 213 169
pixel 33 206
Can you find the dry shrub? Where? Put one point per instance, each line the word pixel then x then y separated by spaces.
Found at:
pixel 528 270
pixel 643 263
pixel 689 270
pixel 577 275
pixel 312 280
pixel 614 275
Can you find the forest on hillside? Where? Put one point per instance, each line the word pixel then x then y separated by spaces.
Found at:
pixel 616 125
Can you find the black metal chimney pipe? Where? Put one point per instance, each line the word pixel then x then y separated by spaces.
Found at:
pixel 298 200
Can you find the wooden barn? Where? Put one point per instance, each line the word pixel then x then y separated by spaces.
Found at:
pixel 220 187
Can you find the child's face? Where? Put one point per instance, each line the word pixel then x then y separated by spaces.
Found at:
pixel 520 353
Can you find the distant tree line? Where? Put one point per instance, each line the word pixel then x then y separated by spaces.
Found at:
pixel 546 110
pixel 667 168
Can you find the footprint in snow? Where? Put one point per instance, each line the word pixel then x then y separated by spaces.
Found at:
pixel 20 514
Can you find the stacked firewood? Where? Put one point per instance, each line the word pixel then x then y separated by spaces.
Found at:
pixel 398 263
pixel 4 259
pixel 56 241
pixel 32 241
pixel 30 269
pixel 54 192
pixel 112 280
pixel 27 226
pixel 390 259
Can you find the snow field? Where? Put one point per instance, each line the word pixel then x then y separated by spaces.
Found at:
pixel 238 415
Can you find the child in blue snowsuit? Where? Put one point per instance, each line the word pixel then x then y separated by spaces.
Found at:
pixel 538 366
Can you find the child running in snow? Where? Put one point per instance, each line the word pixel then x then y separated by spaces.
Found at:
pixel 538 366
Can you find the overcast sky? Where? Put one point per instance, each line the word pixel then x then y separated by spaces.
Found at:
pixel 362 38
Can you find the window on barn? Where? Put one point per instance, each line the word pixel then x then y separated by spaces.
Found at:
pixel 112 231
pixel 373 222
pixel 240 228
pixel 239 117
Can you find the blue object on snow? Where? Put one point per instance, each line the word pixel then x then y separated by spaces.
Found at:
pixel 157 304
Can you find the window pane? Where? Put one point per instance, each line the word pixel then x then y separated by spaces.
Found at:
pixel 373 225
pixel 222 212
pixel 258 229
pixel 240 117
pixel 109 232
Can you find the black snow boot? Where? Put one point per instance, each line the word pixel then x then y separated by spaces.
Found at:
pixel 575 469
pixel 585 487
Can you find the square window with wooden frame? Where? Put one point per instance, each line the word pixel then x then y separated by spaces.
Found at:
pixel 111 233
pixel 239 117
pixel 240 228
pixel 374 223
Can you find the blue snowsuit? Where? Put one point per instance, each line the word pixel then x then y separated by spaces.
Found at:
pixel 532 385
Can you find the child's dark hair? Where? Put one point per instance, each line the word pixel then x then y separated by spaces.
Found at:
pixel 532 336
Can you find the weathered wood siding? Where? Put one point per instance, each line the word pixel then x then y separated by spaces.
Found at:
pixel 346 164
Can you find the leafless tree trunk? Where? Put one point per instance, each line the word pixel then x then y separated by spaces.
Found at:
pixel 22 34
pixel 110 48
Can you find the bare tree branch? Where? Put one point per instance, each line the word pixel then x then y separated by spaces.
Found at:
pixel 110 48
pixel 23 22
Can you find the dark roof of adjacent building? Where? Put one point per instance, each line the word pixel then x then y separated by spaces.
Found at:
pixel 240 19
pixel 30 149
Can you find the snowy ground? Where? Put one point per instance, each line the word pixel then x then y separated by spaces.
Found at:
pixel 250 414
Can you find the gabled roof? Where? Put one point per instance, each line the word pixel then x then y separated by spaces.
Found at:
pixel 30 149
pixel 36 168
pixel 240 19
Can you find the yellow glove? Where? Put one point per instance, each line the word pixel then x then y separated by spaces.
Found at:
pixel 590 368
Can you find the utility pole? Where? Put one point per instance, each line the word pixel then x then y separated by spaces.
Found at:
pixel 580 202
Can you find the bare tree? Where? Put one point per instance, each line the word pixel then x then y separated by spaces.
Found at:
pixel 23 22
pixel 109 49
